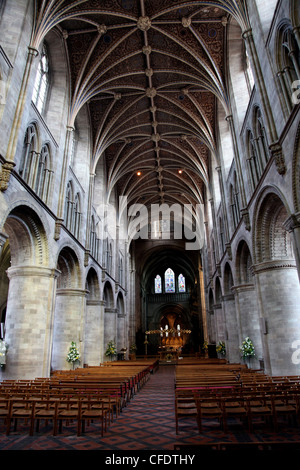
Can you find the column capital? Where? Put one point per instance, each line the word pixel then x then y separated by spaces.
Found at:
pixel 292 222
pixel 23 271
pixel 247 34
pixel 33 51
pixel 273 264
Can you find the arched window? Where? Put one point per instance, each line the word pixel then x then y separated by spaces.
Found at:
pixel 76 216
pixel 181 283
pixel 248 73
pixel 69 206
pixel 94 241
pixel 120 270
pixel 157 285
pixel 261 138
pixel 44 174
pixel 253 161
pixel 29 153
pixel 222 234
pixel 169 280
pixel 41 84
pixel 234 211
pixel 288 64
pixel 108 263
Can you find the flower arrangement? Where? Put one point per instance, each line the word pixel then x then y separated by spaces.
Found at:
pixel 221 348
pixel 205 346
pixel 73 354
pixel 247 348
pixel 133 348
pixel 3 351
pixel 111 349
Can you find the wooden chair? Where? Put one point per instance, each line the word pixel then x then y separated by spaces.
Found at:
pixel 66 411
pixel 233 407
pixel 209 408
pixel 4 408
pixel 22 408
pixel 283 405
pixel 185 407
pixel 257 407
pixel 45 410
pixel 94 410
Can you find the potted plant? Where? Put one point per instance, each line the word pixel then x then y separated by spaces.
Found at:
pixel 247 350
pixel 3 351
pixel 205 348
pixel 221 348
pixel 111 350
pixel 73 354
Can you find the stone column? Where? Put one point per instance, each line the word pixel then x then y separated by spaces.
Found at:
pixel 29 321
pixel 232 331
pixel 94 329
pixel 110 326
pixel 219 322
pixel 292 225
pixel 248 319
pixel 69 325
pixel 279 294
pixel 121 339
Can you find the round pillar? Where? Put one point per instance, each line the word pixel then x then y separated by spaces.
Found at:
pixel 279 294
pixel 94 333
pixel 68 326
pixel 29 321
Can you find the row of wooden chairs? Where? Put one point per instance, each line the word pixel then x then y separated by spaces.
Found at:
pixel 245 407
pixel 214 392
pixel 82 395
pixel 33 410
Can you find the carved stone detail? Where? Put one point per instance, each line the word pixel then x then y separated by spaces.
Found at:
pixel 186 22
pixel 58 224
pixel 144 23
pixel 102 29
pixel 7 168
pixel 246 219
pixel 277 154
pixel 147 50
pixel 151 92
pixel 149 72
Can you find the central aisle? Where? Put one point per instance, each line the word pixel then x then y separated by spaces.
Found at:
pixel 148 422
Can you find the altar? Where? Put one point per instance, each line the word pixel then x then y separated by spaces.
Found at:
pixel 168 354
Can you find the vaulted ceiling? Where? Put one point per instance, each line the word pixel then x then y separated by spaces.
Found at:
pixel 150 73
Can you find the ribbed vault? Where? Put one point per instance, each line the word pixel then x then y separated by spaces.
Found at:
pixel 150 73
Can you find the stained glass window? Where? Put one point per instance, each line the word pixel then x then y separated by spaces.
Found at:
pixel 181 283
pixel 157 285
pixel 169 280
